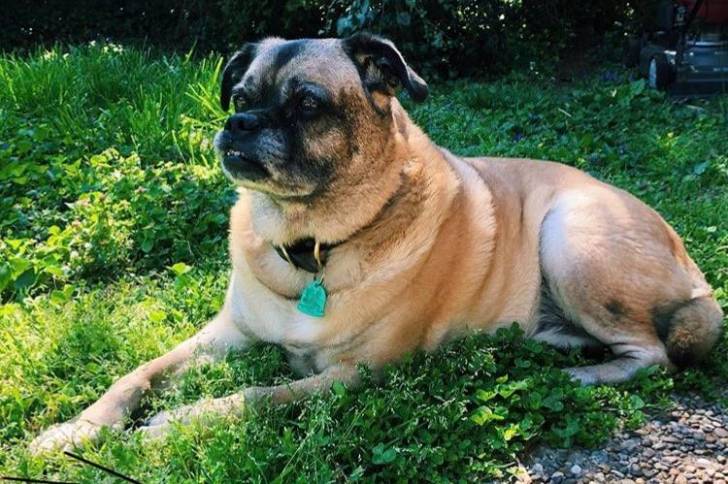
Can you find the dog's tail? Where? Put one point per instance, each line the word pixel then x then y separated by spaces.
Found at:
pixel 691 329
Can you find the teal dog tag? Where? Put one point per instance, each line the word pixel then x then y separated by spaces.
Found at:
pixel 313 299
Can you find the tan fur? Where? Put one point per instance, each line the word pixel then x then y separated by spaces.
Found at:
pixel 459 250
pixel 435 246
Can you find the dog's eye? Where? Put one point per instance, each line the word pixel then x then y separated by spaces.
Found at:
pixel 308 104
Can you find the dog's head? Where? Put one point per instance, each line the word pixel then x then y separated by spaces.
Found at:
pixel 308 111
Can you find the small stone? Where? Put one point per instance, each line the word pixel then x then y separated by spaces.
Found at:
pixel 599 477
pixel 635 470
pixel 600 457
pixel 630 444
pixel 537 469
pixel 575 470
pixel 681 480
pixel 557 477
pixel 721 433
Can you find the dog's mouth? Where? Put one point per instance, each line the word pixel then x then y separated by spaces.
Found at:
pixel 243 167
pixel 248 168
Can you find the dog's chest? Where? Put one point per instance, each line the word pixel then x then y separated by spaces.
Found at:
pixel 271 317
pixel 275 318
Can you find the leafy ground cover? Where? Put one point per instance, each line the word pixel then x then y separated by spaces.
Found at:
pixel 113 217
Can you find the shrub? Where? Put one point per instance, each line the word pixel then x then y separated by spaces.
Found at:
pixel 218 24
pixel 450 37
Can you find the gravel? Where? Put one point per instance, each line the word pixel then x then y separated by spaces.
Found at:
pixel 688 444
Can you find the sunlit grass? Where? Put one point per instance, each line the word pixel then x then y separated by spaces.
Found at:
pixel 107 178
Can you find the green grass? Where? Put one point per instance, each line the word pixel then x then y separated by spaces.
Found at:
pixel 113 218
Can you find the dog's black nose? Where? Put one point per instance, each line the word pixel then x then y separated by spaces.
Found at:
pixel 242 122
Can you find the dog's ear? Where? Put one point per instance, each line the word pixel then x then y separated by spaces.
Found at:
pixel 234 70
pixel 382 67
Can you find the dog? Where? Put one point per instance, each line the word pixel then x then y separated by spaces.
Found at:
pixel 356 240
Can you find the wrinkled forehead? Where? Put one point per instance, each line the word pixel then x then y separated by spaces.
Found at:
pixel 279 64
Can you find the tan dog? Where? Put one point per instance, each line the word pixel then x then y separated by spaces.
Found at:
pixel 412 244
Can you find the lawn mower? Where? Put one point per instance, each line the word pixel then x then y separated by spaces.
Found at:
pixel 685 51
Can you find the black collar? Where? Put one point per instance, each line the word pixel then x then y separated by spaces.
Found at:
pixel 301 254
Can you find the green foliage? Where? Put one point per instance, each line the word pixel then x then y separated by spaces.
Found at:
pixel 134 181
pixel 433 34
pixel 464 37
pixel 113 250
pixel 218 24
pixel 448 37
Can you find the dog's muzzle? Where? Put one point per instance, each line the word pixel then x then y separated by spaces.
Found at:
pixel 238 162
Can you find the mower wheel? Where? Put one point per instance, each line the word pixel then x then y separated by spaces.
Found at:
pixel 660 73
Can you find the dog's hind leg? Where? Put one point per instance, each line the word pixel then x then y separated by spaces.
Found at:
pixel 124 396
pixel 628 359
pixel 616 270
pixel 555 329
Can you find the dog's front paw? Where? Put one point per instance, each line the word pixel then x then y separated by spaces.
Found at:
pixel 187 413
pixel 155 431
pixel 183 414
pixel 161 423
pixel 65 436
pixel 161 418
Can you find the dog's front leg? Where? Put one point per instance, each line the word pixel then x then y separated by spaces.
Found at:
pixel 212 343
pixel 252 397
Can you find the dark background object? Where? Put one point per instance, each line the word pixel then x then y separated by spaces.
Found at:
pixel 447 37
pixel 685 51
